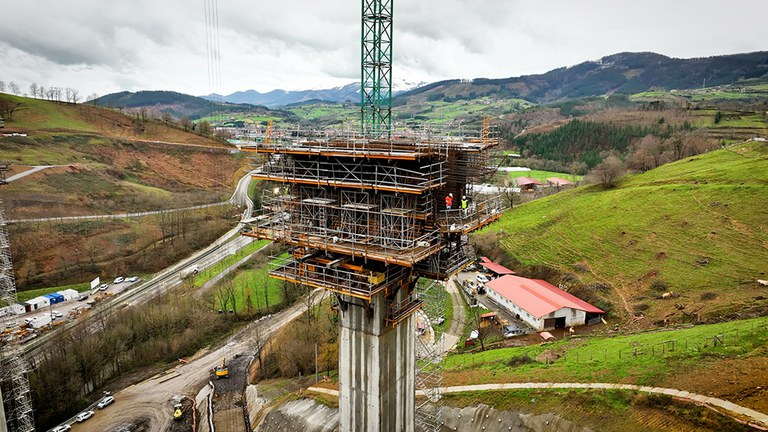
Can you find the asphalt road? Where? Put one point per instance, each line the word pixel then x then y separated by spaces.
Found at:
pixel 151 399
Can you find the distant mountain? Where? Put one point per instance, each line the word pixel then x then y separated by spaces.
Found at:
pixel 177 104
pixel 625 73
pixel 282 98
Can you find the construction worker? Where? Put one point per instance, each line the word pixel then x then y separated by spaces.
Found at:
pixel 464 203
pixel 449 201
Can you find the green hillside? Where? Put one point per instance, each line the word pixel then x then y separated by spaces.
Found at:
pixel 697 227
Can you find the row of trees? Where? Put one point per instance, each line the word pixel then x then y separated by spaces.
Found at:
pixel 51 93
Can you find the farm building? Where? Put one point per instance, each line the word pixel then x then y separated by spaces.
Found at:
pixel 528 184
pixel 37 303
pixel 69 294
pixel 497 269
pixel 540 304
pixel 560 183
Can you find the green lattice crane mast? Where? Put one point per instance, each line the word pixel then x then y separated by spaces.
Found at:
pixel 376 69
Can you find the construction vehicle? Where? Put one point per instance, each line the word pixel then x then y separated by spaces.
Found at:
pixel 178 411
pixel 222 371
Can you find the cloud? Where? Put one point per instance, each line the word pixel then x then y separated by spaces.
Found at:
pixel 100 46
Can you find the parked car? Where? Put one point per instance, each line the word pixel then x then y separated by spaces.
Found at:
pixel 511 330
pixel 103 287
pixel 56 314
pixel 11 324
pixel 83 416
pixel 482 278
pixel 83 296
pixel 119 279
pixel 62 428
pixel 106 401
pixel 133 279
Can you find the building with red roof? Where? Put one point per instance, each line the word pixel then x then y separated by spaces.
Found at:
pixel 540 304
pixel 525 183
pixel 498 269
pixel 559 182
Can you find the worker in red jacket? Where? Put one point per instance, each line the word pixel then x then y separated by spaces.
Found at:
pixel 449 201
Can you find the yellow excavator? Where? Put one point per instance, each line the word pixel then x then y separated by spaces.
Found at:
pixel 222 371
pixel 178 411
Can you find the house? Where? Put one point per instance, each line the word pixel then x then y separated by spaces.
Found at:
pixel 527 184
pixel 497 269
pixel 558 182
pixel 540 304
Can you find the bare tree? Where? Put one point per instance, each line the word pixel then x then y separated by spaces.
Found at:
pixel 204 128
pixel 33 89
pixel 185 123
pixel 2 86
pixel 91 97
pixel 14 88
pixel 75 96
pixel 608 173
pixel 167 118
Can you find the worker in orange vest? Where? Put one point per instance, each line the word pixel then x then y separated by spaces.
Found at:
pixel 449 201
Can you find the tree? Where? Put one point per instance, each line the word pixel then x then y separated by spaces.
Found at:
pixel 7 107
pixel 185 123
pixel 167 118
pixel 33 89
pixel 75 96
pixel 92 96
pixel 608 172
pixel 204 128
pixel 14 88
pixel 718 117
pixel 2 86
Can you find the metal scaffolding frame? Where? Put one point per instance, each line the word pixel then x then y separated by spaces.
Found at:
pixel 21 415
pixel 430 353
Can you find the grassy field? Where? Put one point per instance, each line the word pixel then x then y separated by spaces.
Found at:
pixel 23 296
pixel 643 358
pixel 542 176
pixel 209 273
pixel 36 114
pixel 694 226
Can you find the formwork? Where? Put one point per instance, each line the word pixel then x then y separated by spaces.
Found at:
pixel 365 219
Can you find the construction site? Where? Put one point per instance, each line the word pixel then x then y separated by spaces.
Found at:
pixel 366 214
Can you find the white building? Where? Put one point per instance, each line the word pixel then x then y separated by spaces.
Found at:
pixel 37 303
pixel 69 294
pixel 540 304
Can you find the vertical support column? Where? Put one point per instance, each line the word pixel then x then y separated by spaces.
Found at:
pixel 376 368
pixel 3 421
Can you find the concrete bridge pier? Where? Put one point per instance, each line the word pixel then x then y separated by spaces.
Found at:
pixel 376 368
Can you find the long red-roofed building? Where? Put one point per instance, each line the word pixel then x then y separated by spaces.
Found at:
pixel 540 304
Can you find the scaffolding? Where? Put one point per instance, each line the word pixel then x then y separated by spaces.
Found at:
pixel 430 352
pixel 20 416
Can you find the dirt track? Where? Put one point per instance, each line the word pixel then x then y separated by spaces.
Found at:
pixel 151 399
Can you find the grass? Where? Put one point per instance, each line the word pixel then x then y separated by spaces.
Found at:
pixel 544 175
pixel 23 296
pixel 35 114
pixel 698 224
pixel 256 291
pixel 642 358
pixel 209 273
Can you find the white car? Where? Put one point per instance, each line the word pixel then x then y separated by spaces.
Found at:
pixel 83 416
pixel 56 314
pixel 119 279
pixel 133 279
pixel 482 278
pixel 106 401
pixel 11 324
pixel 62 428
pixel 103 287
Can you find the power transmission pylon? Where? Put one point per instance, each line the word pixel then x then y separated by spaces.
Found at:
pixel 376 70
pixel 20 415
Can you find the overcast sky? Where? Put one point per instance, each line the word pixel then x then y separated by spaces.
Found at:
pixel 106 46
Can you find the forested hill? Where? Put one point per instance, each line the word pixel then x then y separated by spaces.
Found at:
pixel 177 104
pixel 626 73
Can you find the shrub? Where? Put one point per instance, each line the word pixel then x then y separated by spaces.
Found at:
pixel 519 360
pixel 708 295
pixel 659 285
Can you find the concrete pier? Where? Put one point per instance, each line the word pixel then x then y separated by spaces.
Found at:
pixel 376 369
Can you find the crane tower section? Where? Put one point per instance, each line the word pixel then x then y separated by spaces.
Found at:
pixel 376 69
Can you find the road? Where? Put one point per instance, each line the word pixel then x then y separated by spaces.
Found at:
pixel 756 418
pixel 239 197
pixel 34 169
pixel 150 399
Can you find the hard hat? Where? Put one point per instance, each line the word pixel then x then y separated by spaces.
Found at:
pixel 450 194
pixel 463 197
